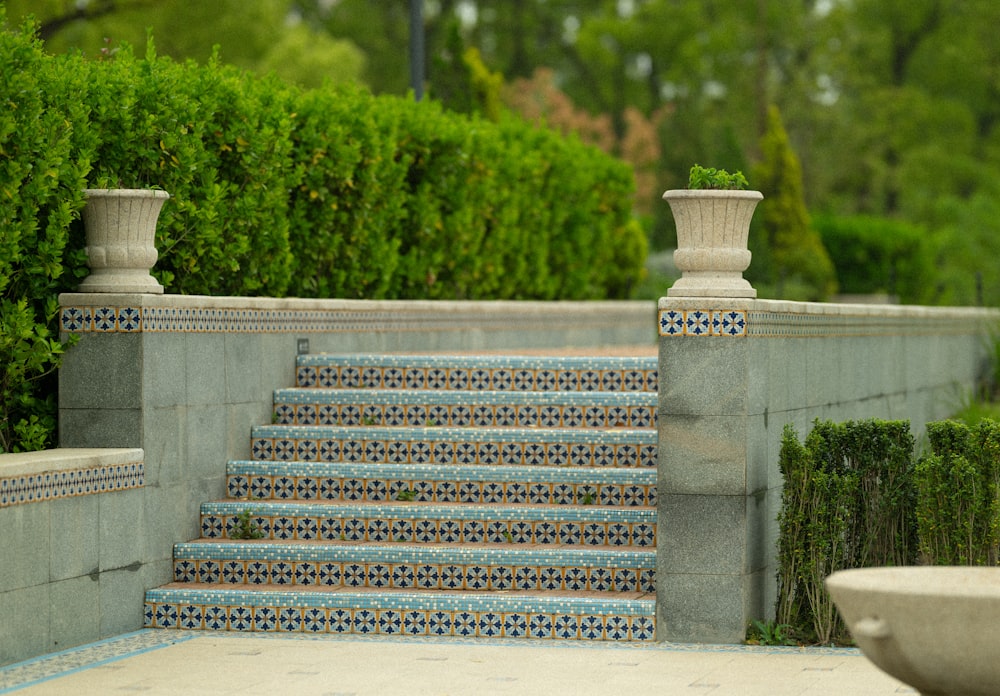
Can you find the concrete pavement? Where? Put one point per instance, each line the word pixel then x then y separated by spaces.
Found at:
pixel 161 662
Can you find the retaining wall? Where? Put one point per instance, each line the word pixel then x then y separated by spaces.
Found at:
pixel 732 373
pixel 68 569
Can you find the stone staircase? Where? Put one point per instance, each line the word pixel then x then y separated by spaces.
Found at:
pixel 493 496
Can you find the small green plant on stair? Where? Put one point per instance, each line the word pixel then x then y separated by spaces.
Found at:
pixel 246 527
pixel 406 495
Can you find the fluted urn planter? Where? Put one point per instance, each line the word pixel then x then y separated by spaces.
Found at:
pixel 121 234
pixel 712 230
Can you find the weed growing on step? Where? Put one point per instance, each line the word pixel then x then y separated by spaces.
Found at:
pixel 406 495
pixel 245 527
pixel 587 499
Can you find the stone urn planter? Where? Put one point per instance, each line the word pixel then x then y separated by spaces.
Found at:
pixel 712 230
pixel 937 628
pixel 121 234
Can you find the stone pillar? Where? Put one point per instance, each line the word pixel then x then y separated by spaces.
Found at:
pixel 713 480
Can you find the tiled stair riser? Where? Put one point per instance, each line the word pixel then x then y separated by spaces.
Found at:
pixel 430 495
pixel 407 567
pixel 458 409
pixel 488 446
pixel 441 614
pixel 482 485
pixel 458 524
pixel 478 373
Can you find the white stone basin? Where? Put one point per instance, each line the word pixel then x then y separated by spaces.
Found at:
pixel 936 628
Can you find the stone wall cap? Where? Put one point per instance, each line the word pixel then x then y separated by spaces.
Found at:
pixel 65 459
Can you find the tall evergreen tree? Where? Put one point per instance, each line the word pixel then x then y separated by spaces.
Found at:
pixel 794 257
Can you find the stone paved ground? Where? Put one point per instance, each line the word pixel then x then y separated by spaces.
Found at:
pixel 171 663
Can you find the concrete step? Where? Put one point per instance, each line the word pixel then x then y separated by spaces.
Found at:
pixel 619 447
pixel 487 409
pixel 469 567
pixel 482 484
pixel 477 372
pixel 538 615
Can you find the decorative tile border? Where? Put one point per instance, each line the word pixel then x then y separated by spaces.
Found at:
pixel 385 316
pixel 30 672
pixel 703 322
pixel 51 485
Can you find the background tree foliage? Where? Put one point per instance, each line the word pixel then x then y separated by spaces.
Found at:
pixel 892 107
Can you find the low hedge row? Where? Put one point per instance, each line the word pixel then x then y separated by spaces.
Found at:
pixel 855 496
pixel 280 191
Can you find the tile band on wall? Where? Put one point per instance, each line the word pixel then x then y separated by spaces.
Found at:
pixel 50 485
pixel 134 319
pixel 740 323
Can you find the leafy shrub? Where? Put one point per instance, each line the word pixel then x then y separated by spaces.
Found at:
pixel 44 156
pixel 277 191
pixel 958 494
pixel 853 497
pixel 847 502
pixel 877 255
pixel 217 141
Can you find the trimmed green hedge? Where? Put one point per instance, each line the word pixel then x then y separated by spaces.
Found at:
pixel 283 192
pixel 847 502
pixel 876 255
pixel 44 159
pixel 958 494
pixel 854 497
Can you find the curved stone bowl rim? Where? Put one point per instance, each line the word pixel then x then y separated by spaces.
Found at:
pixel 921 581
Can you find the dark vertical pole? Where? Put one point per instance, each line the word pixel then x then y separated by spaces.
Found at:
pixel 417 48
